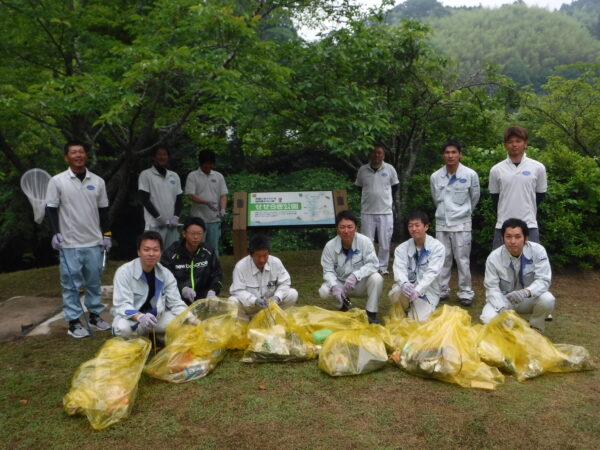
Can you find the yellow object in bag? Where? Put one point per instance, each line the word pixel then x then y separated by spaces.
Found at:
pixel 104 388
pixel 313 318
pixel 508 342
pixel 353 352
pixel 193 350
pixel 275 337
pixel 445 348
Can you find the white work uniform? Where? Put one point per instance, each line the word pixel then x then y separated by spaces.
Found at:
pixel 455 197
pixel 376 206
pixel 163 192
pixel 249 284
pixel 422 269
pixel 130 291
pixel 517 186
pixel 208 187
pixel 504 274
pixel 78 203
pixel 79 222
pixel 361 261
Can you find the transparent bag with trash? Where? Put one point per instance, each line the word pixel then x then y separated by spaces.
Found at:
pixel 104 388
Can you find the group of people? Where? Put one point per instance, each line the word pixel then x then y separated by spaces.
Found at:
pixel 174 269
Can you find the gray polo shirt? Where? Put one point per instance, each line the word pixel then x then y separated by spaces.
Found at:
pixel 163 192
pixel 517 186
pixel 209 187
pixel 376 188
pixel 78 204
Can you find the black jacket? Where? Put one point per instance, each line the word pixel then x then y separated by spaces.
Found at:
pixel 200 271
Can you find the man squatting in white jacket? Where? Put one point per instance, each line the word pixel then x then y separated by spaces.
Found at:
pixel 350 267
pixel 145 295
pixel 417 266
pixel 455 192
pixel 258 278
pixel 517 276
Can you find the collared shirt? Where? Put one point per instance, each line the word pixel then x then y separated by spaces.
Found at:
pixel 130 290
pixel 422 269
pixel 376 187
pixel 78 202
pixel 163 192
pixel 517 186
pixel 361 262
pixel 249 283
pixel 455 197
pixel 209 187
pixel 501 275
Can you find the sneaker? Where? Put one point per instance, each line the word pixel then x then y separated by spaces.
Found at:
pixel 76 330
pixel 383 272
pixel 98 323
pixel 466 301
pixel 444 297
pixel 372 317
pixel 548 318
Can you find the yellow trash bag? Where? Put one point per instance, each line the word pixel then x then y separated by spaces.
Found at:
pixel 353 352
pixel 508 342
pixel 399 330
pixel 445 348
pixel 395 314
pixel 104 388
pixel 193 350
pixel 275 337
pixel 313 318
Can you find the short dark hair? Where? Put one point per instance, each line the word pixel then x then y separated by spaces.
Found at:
pixel 418 215
pixel 378 145
pixel 515 223
pixel 259 242
pixel 189 221
pixel 206 156
pixel 451 143
pixel 345 215
pixel 515 131
pixel 149 236
pixel 163 147
pixel 74 143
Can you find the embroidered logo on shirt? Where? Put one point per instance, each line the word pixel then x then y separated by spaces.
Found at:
pixel 526 172
pixel 89 187
pixel 213 180
pixel 172 182
pixel 463 180
pixel 384 174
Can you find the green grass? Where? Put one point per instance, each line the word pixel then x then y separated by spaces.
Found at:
pixel 300 406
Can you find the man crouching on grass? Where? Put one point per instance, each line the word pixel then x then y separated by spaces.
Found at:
pixel 145 294
pixel 517 276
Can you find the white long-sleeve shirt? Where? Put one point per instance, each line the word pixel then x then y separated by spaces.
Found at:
pixel 455 196
pixel 249 283
pixel 337 266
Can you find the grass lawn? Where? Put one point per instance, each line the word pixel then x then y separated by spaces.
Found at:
pixel 295 405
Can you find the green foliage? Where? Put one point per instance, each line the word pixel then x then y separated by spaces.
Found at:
pixel 587 12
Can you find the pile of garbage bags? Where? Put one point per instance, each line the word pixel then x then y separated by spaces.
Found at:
pixel 446 347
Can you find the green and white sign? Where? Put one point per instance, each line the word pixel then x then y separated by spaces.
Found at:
pixel 267 209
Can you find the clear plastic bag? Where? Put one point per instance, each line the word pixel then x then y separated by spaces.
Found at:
pixel 313 318
pixel 445 348
pixel 508 342
pixel 104 388
pixel 354 352
pixel 275 337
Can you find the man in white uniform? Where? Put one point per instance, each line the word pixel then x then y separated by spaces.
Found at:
pixel 258 278
pixel 455 192
pixel 77 207
pixel 517 185
pixel 160 192
pixel 517 276
pixel 418 263
pixel 350 267
pixel 377 182
pixel 207 191
pixel 145 295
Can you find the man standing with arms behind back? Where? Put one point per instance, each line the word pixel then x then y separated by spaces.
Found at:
pixel 160 192
pixel 517 185
pixel 455 192
pixel 207 190
pixel 77 207
pixel 377 182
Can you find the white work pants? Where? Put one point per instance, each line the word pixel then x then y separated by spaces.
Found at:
pixel 383 224
pixel 247 312
pixel 537 307
pixel 419 310
pixel 370 287
pixel 458 248
pixel 131 328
